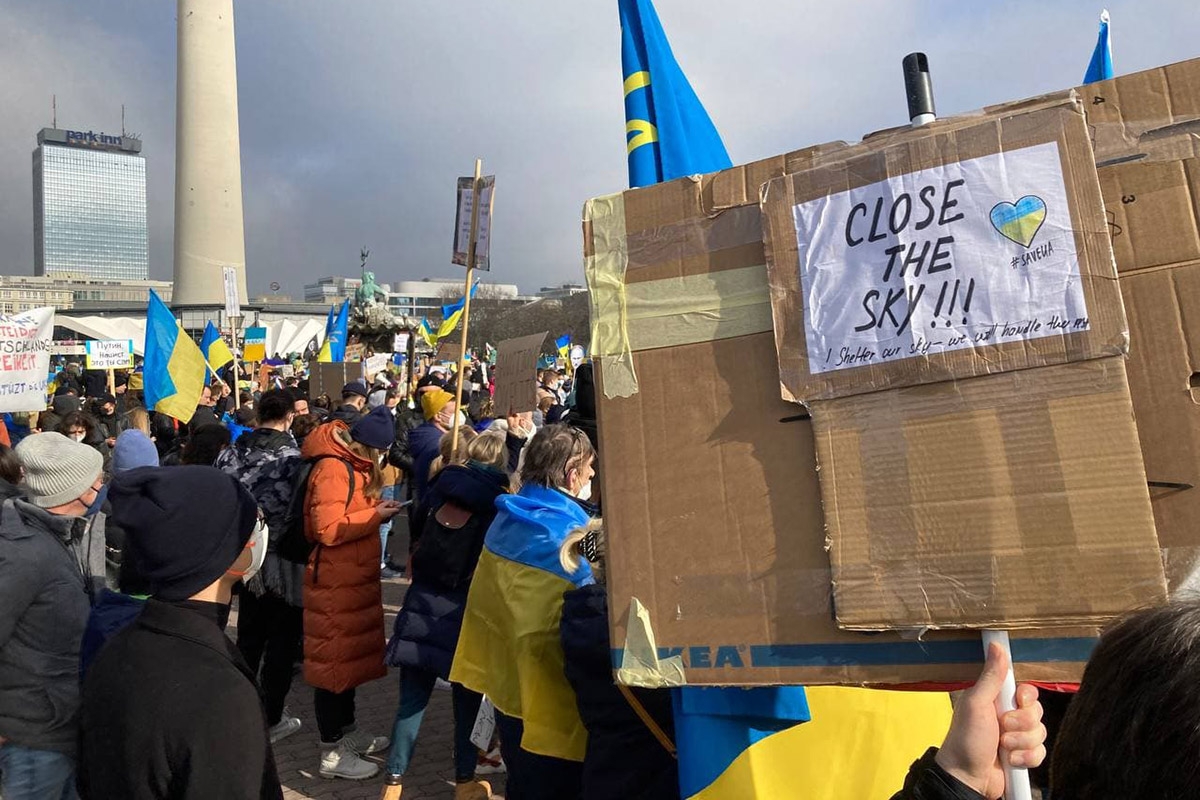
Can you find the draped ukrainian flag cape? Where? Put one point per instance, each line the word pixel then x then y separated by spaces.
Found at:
pixel 174 367
pixel 509 647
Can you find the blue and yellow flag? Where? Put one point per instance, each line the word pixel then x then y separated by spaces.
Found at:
pixel 426 332
pixel 336 331
pixel 174 367
pixel 324 355
pixel 667 131
pixel 452 313
pixel 563 345
pixel 215 351
pixel 509 647
pixel 1101 66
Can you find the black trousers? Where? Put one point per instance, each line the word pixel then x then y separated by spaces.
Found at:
pixel 532 776
pixel 335 713
pixel 270 633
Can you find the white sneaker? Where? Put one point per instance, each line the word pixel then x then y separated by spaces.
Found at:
pixel 283 729
pixel 340 761
pixel 364 743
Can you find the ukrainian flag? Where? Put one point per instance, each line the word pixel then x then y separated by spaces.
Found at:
pixel 667 131
pixel 215 351
pixel 737 744
pixel 509 647
pixel 336 332
pixel 427 333
pixel 452 313
pixel 563 345
pixel 174 367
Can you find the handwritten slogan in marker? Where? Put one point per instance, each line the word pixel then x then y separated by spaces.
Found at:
pixel 962 255
pixel 25 341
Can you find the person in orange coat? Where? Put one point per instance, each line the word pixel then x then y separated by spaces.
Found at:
pixel 343 605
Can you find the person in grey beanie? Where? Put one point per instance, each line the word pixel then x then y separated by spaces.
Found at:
pixel 47 575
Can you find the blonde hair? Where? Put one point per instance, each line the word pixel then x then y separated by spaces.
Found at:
pixel 585 544
pixel 374 488
pixel 443 459
pixel 139 420
pixel 490 448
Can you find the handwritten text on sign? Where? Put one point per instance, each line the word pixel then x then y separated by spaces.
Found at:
pixel 110 354
pixel 25 341
pixel 971 253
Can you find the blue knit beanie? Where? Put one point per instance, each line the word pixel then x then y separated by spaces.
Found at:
pixel 133 449
pixel 377 429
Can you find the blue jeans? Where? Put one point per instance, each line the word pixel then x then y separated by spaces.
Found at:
pixel 28 774
pixel 389 493
pixel 416 687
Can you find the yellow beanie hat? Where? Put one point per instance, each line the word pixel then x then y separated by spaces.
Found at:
pixel 434 401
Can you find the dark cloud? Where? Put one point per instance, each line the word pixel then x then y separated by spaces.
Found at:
pixel 356 118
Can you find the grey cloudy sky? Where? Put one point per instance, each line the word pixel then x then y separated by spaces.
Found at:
pixel 356 117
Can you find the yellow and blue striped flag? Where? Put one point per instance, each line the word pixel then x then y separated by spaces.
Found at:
pixel 215 351
pixel 336 332
pixel 452 313
pixel 509 648
pixel 1100 68
pixel 174 367
pixel 563 345
pixel 667 131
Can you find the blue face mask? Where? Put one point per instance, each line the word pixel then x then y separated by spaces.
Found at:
pixel 98 503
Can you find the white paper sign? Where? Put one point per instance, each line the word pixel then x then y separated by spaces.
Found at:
pixel 485 726
pixel 25 343
pixel 110 354
pixel 967 254
pixel 400 343
pixel 233 307
pixel 462 222
pixel 374 364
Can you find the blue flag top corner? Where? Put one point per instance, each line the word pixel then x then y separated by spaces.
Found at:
pixel 667 131
pixel 1101 66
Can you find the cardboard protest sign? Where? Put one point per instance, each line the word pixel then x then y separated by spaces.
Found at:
pixel 109 354
pixel 946 255
pixel 462 221
pixel 254 344
pixel 375 363
pixel 516 374
pixel 448 351
pixel 25 342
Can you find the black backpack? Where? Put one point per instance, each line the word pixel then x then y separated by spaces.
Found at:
pixel 446 557
pixel 293 545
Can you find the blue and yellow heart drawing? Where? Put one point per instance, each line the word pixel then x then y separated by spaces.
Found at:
pixel 1020 221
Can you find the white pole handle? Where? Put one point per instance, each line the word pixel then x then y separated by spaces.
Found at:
pixel 1016 780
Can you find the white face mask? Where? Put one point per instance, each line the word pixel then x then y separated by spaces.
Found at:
pixel 462 419
pixel 78 436
pixel 258 550
pixel 585 492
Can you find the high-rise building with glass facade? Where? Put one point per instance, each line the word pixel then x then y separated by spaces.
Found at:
pixel 89 205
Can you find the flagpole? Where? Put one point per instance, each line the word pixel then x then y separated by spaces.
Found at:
pixel 462 354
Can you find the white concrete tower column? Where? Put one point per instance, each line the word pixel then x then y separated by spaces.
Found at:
pixel 208 167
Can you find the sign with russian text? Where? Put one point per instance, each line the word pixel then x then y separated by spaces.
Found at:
pixel 254 344
pixel 110 354
pixel 965 254
pixel 462 221
pixel 25 342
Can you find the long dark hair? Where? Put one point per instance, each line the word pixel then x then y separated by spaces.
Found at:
pixel 10 465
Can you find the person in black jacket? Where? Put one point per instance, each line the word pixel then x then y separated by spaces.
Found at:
pixel 170 709
pixel 461 507
pixel 626 758
pixel 967 766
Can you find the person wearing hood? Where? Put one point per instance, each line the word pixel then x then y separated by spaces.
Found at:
pixel 46 580
pixel 343 601
pixel 509 647
pixel 109 423
pixel 461 508
pixel 170 708
pixel 64 403
pixel 271 609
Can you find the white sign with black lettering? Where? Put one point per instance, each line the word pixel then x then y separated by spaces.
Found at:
pixel 966 254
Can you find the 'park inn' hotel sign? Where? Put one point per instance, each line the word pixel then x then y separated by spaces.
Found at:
pixel 98 141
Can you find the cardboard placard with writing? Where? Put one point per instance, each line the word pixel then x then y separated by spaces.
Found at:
pixel 448 351
pixel 25 343
pixel 516 374
pixel 974 248
pixel 109 354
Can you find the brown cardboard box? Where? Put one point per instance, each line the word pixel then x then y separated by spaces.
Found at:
pixel 1154 208
pixel 1009 500
pixel 713 516
pixel 891 267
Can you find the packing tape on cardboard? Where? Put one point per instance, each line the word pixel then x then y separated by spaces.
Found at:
pixel 669 312
pixel 640 664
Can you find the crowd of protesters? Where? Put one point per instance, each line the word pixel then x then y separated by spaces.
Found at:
pixel 126 537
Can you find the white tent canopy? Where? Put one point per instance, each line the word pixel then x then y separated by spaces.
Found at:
pixel 283 336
